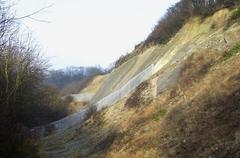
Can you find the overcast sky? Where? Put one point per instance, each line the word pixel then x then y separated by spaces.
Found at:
pixel 91 32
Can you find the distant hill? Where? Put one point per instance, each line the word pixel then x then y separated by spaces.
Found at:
pixel 72 79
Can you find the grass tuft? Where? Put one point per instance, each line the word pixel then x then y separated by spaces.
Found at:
pixel 159 115
pixel 233 51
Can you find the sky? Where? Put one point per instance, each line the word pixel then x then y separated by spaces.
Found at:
pixel 90 32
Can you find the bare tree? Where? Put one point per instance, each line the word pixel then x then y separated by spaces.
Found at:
pixel 21 72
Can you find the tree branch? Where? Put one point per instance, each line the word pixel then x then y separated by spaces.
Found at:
pixel 34 13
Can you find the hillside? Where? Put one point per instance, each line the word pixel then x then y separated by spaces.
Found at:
pixel 189 105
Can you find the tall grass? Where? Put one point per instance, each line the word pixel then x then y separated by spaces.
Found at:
pixel 159 115
pixel 233 51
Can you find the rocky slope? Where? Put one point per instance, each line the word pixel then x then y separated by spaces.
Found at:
pixel 190 107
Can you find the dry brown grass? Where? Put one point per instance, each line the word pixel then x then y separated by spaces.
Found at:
pixel 197 66
pixel 202 120
pixel 205 123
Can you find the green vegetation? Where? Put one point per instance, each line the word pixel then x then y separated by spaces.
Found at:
pixel 236 14
pixel 234 50
pixel 159 115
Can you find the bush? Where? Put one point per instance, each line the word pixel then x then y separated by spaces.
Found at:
pixel 44 106
pixel 236 14
pixel 20 73
pixel 122 59
pixel 159 115
pixel 169 25
pixel 233 51
pixel 139 48
pixel 23 98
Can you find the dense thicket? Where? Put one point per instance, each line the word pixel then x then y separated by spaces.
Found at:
pixel 24 100
pixel 178 14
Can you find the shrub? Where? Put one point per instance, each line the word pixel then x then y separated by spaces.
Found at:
pixel 23 98
pixel 233 51
pixel 159 115
pixel 43 106
pixel 122 59
pixel 236 14
pixel 197 66
pixel 169 25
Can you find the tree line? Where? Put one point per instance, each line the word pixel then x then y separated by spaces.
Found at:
pixel 177 15
pixel 72 79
